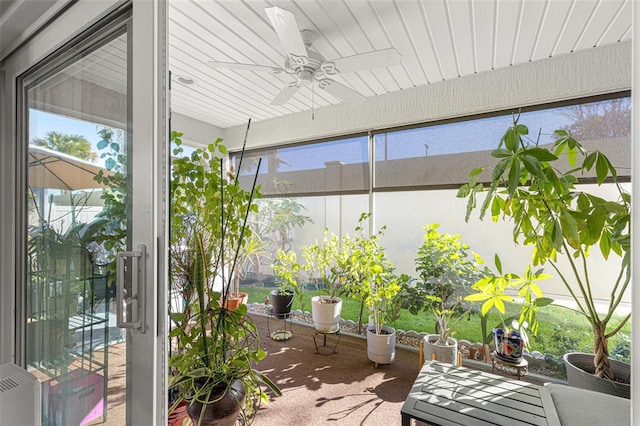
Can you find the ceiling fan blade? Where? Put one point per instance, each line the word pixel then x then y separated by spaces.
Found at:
pixel 340 91
pixel 363 61
pixel 286 94
pixel 285 25
pixel 245 67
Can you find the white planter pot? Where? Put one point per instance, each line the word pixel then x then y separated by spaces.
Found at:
pixel 326 316
pixel 442 353
pixel 580 371
pixel 381 348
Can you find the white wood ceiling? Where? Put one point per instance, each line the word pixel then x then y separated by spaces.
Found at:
pixel 439 40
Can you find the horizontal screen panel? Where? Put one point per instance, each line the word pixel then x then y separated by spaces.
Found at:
pixel 340 166
pixel 444 154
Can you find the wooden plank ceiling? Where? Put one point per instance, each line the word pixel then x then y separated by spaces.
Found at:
pixel 438 40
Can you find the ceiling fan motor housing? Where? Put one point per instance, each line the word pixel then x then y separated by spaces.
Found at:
pixel 305 72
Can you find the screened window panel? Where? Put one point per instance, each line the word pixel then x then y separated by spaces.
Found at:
pixel 334 167
pixel 444 154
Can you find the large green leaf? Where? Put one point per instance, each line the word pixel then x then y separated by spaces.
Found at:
pixel 500 168
pixel 595 223
pixel 521 129
pixel 514 177
pixel 605 244
pixel 570 228
pixel 541 154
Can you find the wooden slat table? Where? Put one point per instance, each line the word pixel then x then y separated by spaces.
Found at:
pixel 444 394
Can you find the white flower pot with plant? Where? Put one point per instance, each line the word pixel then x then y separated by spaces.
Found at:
pixel 326 263
pixel 448 270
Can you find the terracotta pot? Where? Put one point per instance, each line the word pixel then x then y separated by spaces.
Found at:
pixel 223 412
pixel 178 416
pixel 235 299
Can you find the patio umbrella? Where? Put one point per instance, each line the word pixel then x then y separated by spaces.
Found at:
pixel 56 170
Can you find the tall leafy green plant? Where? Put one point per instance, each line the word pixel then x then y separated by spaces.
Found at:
pixel 550 212
pixel 447 271
pixel 205 200
pixel 327 264
pixel 113 236
pixel 371 277
pixel 216 346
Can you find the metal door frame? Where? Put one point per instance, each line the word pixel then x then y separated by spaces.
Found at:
pixel 149 117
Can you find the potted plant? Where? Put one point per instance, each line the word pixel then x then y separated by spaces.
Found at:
pixel 286 270
pixel 549 211
pixel 327 264
pixel 204 202
pixel 213 369
pixel 216 348
pixel 494 290
pixel 372 279
pixel 447 272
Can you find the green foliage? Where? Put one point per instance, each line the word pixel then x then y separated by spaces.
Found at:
pixel 206 200
pixel 549 212
pixel 447 272
pixel 208 234
pixel 494 290
pixel 327 263
pixel 277 217
pixel 287 273
pixel 113 235
pixel 75 145
pixel 286 269
pixel 216 346
pixel 371 278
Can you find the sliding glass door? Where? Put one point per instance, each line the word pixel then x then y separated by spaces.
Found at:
pixel 90 230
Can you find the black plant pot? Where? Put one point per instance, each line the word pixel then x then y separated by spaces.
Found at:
pixel 281 304
pixel 224 411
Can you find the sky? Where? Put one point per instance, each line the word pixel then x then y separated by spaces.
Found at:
pixel 40 123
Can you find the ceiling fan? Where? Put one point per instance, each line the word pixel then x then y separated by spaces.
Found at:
pixel 308 66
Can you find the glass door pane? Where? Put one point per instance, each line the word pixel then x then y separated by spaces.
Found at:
pixel 77 221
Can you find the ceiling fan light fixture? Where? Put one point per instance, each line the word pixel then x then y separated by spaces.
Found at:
pixel 305 76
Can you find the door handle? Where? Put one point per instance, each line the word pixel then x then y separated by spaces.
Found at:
pixel 130 283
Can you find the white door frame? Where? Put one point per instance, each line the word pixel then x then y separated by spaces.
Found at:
pixel 146 357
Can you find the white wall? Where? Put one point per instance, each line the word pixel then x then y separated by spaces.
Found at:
pixel 406 213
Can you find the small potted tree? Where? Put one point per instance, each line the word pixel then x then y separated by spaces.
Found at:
pixel 447 272
pixel 372 279
pixel 531 188
pixel 327 263
pixel 285 269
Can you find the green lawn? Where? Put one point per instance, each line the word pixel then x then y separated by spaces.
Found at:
pixel 561 330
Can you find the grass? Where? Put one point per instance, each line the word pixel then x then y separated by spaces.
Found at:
pixel 561 330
